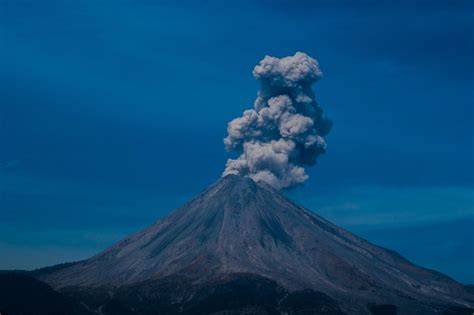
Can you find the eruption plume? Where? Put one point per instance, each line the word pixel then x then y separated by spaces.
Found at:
pixel 284 131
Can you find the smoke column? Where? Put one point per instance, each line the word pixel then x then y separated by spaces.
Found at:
pixel 284 131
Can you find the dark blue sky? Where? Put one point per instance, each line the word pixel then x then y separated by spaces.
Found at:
pixel 112 113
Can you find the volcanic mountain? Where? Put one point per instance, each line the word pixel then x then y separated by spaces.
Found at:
pixel 242 235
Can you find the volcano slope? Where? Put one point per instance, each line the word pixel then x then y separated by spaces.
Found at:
pixel 240 236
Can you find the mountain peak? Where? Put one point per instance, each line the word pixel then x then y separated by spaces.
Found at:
pixel 235 178
pixel 244 181
pixel 236 183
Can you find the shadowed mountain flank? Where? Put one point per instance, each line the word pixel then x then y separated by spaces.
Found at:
pixel 21 294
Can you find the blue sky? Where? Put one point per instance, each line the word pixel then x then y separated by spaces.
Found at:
pixel 112 113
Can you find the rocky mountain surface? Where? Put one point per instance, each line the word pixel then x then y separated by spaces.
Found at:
pixel 242 247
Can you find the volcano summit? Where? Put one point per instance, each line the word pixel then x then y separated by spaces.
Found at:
pixel 241 246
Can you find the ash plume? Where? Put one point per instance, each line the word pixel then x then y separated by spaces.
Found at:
pixel 284 131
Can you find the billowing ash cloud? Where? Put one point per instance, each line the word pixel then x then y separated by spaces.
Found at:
pixel 284 131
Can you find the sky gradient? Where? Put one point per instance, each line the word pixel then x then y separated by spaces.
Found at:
pixel 112 113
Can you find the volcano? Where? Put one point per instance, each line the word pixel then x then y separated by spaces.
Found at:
pixel 242 247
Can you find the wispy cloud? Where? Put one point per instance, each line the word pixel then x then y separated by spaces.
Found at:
pixel 390 206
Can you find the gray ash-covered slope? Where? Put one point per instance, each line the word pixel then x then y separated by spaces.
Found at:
pixel 238 226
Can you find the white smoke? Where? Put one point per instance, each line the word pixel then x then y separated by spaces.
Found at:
pixel 284 132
